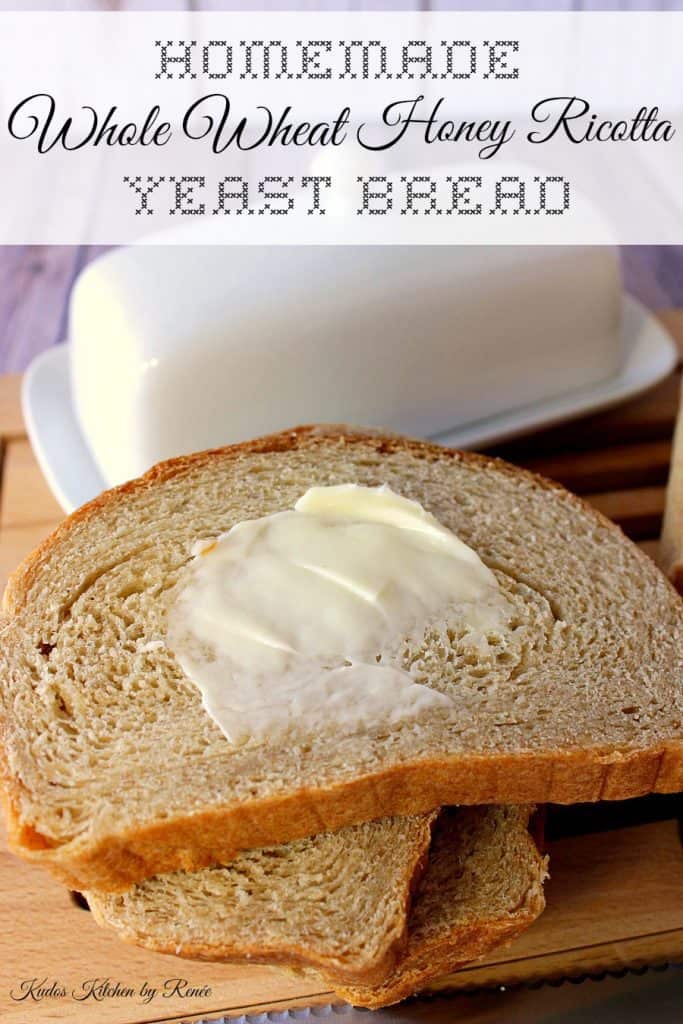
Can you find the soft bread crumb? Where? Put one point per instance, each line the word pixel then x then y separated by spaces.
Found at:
pixel 110 758
pixel 335 901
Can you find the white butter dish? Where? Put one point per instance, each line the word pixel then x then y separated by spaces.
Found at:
pixel 179 348
pixel 648 356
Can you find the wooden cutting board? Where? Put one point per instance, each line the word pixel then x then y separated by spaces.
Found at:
pixel 615 898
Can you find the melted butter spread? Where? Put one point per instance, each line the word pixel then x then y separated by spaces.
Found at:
pixel 293 623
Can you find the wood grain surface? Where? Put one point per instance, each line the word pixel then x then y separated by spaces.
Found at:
pixel 615 899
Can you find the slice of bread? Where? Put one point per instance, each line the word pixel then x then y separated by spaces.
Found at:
pixel 482 887
pixel 338 901
pixel 113 771
pixel 324 901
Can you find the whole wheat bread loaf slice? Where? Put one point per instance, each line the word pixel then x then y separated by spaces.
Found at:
pixel 324 901
pixel 113 771
pixel 483 886
pixel 338 901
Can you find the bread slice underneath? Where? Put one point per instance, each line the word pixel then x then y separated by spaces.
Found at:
pixel 113 771
pixel 482 886
pixel 337 901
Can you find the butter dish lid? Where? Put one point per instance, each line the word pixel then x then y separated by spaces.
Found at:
pixel 74 478
pixel 179 348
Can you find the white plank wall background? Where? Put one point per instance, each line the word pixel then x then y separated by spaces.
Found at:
pixel 35 281
pixel 340 5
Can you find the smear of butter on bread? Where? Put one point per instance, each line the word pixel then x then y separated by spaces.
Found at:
pixel 294 622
